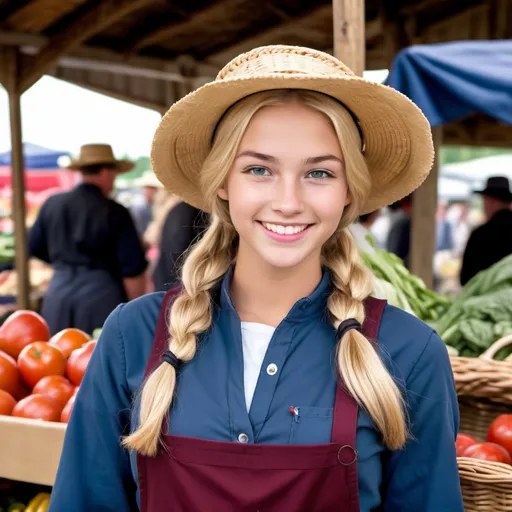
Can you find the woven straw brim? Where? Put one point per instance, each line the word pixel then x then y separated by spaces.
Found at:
pixel 399 148
pixel 122 166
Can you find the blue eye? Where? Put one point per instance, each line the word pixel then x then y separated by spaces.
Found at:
pixel 320 174
pixel 258 171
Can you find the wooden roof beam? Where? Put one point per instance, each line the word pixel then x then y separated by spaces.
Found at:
pixel 93 21
pixel 209 15
pixel 373 29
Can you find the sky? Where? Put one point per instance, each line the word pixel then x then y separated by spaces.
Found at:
pixel 62 116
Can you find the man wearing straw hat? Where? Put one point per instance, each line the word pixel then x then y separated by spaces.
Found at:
pixel 92 244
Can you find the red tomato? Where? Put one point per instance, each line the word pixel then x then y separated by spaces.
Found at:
pixel 463 441
pixel 56 387
pixel 68 408
pixel 7 403
pixel 37 407
pixel 500 432
pixel 20 329
pixel 488 451
pixel 9 375
pixel 68 340
pixel 78 361
pixel 38 360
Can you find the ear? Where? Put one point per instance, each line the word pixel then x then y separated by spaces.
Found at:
pixel 223 193
pixel 348 198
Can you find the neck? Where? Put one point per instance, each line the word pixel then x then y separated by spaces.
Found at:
pixel 96 181
pixel 265 294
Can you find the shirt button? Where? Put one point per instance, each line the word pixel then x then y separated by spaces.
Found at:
pixel 243 438
pixel 272 369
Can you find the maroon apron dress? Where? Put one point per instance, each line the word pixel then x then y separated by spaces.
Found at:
pixel 196 475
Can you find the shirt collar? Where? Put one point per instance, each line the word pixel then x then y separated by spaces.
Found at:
pixel 304 309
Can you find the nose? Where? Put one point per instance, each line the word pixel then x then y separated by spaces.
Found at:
pixel 288 197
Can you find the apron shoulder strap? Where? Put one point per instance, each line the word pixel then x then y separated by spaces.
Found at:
pixel 373 314
pixel 161 339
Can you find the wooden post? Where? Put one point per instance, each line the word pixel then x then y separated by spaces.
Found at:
pixel 423 228
pixel 11 64
pixel 349 33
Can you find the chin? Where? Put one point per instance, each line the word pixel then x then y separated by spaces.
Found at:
pixel 284 259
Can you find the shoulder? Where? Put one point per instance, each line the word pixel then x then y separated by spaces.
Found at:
pixel 127 337
pixel 406 343
pixel 139 315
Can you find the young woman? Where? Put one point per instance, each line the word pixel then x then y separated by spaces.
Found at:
pixel 271 381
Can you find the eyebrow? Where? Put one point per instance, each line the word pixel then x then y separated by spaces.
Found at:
pixel 273 159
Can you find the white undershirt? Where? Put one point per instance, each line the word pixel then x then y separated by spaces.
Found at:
pixel 255 340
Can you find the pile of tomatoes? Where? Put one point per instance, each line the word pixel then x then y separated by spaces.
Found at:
pixel 498 447
pixel 40 375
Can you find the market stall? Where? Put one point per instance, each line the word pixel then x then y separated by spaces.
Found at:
pixel 155 58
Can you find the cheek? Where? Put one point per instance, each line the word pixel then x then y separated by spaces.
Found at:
pixel 329 208
pixel 245 200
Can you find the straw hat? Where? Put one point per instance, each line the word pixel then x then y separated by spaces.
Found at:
pixel 93 154
pixel 148 179
pixel 398 144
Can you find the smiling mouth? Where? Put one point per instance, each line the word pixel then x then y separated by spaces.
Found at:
pixel 281 229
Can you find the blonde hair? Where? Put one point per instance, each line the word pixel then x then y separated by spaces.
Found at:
pixel 359 364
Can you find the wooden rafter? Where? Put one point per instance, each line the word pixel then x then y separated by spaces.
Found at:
pixel 207 16
pixel 32 43
pixel 93 21
pixel 294 25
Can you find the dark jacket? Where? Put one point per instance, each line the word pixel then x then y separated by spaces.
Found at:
pixel 487 244
pixel 183 226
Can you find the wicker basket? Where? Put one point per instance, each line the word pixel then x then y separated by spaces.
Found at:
pixel 484 388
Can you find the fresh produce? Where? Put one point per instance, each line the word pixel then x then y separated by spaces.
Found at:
pixel 500 432
pixel 463 442
pixel 78 361
pixel 408 291
pixel 38 360
pixel 9 375
pixel 43 383
pixel 56 387
pixel 68 408
pixel 7 249
pixel 20 329
pixel 68 340
pixel 481 313
pixel 37 407
pixel 7 403
pixel 490 452
pixel 39 504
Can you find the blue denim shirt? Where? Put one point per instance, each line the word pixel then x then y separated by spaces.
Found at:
pixel 95 473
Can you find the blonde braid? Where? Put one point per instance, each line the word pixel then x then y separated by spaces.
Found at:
pixel 190 315
pixel 359 364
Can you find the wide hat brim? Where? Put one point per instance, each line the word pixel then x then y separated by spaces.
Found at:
pixel 498 193
pixel 121 166
pixel 399 148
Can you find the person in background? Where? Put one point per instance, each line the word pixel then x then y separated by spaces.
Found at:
pixel 399 236
pixel 142 211
pixel 458 215
pixel 444 234
pixel 492 241
pixel 92 245
pixel 182 227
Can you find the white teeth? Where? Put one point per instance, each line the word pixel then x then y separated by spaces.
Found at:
pixel 284 230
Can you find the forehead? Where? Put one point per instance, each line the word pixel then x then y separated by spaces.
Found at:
pixel 292 126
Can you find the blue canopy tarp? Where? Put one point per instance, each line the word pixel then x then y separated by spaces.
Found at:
pixel 450 81
pixel 36 157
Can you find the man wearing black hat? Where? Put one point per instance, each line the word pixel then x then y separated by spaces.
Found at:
pixel 492 241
